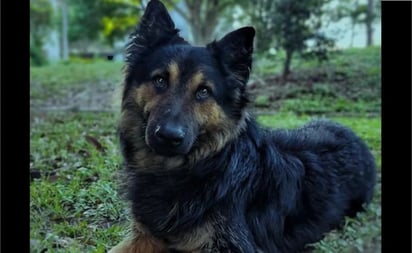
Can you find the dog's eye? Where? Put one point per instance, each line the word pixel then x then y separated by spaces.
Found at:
pixel 202 93
pixel 159 82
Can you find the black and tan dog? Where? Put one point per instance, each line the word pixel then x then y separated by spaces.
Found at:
pixel 202 176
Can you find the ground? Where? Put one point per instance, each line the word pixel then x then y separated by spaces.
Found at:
pixel 74 158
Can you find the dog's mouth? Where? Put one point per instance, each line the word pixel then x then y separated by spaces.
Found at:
pixel 166 151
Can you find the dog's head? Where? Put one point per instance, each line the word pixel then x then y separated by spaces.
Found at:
pixel 181 99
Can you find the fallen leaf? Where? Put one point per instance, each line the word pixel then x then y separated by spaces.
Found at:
pixel 95 143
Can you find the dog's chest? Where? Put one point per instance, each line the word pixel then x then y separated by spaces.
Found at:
pixel 167 204
pixel 179 228
pixel 197 239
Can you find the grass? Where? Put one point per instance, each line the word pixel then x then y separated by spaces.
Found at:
pixel 74 203
pixel 74 159
pixel 317 104
pixel 349 82
pixel 57 80
pixel 352 60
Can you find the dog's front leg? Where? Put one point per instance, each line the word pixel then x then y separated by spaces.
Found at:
pixel 234 237
pixel 141 243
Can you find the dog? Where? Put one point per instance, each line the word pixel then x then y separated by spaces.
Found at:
pixel 199 172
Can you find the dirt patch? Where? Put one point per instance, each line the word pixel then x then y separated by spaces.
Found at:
pixel 266 94
pixel 102 96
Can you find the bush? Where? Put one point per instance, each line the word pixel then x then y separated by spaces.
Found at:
pixel 37 56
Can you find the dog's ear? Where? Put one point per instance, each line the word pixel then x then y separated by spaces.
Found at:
pixel 155 28
pixel 234 52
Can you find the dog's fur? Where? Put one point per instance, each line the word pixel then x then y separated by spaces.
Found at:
pixel 202 176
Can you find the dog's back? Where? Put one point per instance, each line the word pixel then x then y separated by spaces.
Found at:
pixel 329 173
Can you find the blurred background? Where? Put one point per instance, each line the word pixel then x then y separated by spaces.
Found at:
pixel 68 28
pixel 308 42
pixel 313 58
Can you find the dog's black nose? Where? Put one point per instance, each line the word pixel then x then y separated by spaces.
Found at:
pixel 170 134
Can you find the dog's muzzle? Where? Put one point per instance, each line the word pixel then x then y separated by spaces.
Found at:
pixel 169 139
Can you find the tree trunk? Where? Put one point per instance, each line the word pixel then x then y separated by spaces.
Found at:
pixel 369 20
pixel 65 30
pixel 286 66
pixel 352 35
pixel 202 17
pixel 202 34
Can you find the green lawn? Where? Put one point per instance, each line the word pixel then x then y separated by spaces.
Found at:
pixel 59 79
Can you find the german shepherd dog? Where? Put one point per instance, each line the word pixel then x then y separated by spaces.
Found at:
pixel 202 176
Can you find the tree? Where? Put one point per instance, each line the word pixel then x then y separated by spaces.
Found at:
pixel 40 19
pixel 40 25
pixel 365 13
pixel 370 17
pixel 107 19
pixel 120 16
pixel 65 39
pixel 290 25
pixel 261 14
pixel 295 22
pixel 202 16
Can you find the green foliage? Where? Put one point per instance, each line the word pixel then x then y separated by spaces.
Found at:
pixel 37 56
pixel 359 12
pixel 85 18
pixel 320 48
pixel 260 15
pixel 262 101
pixel 290 25
pixel 110 19
pixel 294 23
pixel 120 18
pixel 355 10
pixel 41 14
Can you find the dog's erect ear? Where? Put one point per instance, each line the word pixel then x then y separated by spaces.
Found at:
pixel 155 28
pixel 234 51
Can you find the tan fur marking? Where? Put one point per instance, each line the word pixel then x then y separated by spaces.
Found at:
pixel 174 73
pixel 194 240
pixel 195 81
pixel 209 114
pixel 146 97
pixel 141 244
pixel 217 130
pixel 144 94
pixel 139 241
